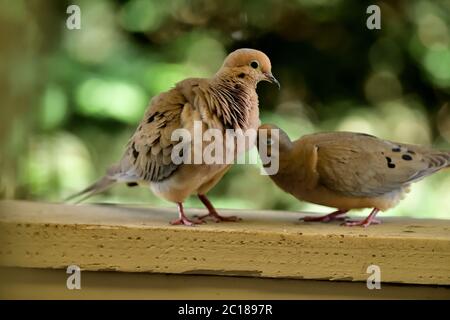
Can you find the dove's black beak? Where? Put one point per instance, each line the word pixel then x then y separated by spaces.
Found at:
pixel 272 79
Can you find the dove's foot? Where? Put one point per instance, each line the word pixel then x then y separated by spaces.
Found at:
pixel 213 213
pixel 360 223
pixel 327 218
pixel 183 220
pixel 366 222
pixel 218 218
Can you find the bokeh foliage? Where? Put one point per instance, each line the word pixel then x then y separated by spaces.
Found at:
pixel 72 98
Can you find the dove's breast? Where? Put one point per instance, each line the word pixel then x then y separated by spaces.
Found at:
pixel 326 197
pixel 215 108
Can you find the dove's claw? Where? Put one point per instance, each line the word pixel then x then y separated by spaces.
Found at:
pixel 218 218
pixel 327 218
pixel 366 222
pixel 183 220
pixel 362 223
pixel 213 213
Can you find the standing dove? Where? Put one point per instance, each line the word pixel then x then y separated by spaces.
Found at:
pixel 347 170
pixel 228 100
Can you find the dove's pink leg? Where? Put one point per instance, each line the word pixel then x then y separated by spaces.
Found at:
pixel 366 222
pixel 183 219
pixel 327 218
pixel 213 213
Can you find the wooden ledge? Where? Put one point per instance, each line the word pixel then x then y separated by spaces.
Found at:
pixel 265 244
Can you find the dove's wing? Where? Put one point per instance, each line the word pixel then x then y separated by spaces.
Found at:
pixel 365 166
pixel 148 153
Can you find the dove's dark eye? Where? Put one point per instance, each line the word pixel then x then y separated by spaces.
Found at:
pixel 254 64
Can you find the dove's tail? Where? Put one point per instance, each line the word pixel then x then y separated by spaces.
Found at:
pixel 95 188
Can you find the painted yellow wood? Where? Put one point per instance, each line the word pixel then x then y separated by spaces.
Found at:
pixel 270 244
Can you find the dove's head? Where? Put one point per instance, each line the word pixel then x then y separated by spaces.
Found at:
pixel 272 141
pixel 249 65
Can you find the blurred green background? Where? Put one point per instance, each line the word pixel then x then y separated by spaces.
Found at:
pixel 72 98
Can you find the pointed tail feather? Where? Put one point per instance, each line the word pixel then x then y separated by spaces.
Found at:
pixel 97 187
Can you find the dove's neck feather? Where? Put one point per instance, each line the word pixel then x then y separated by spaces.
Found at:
pixel 232 100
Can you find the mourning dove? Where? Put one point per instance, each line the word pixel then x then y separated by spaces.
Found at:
pixel 228 100
pixel 347 170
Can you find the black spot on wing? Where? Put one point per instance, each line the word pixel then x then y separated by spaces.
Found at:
pixel 241 75
pixel 152 117
pixel 396 149
pixel 132 184
pixel 407 157
pixel 390 164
